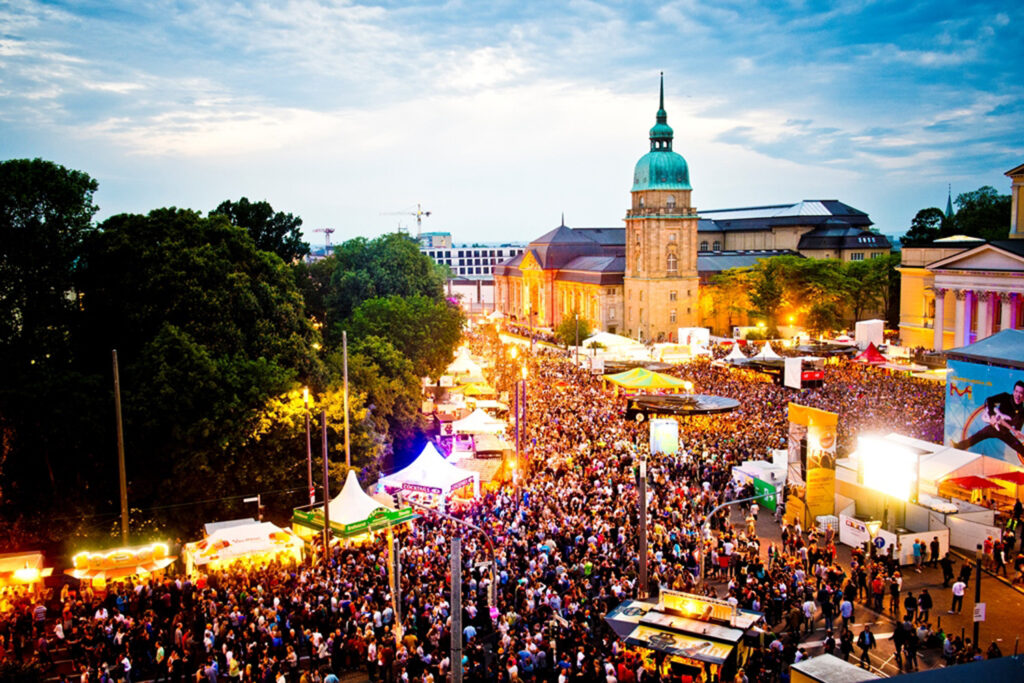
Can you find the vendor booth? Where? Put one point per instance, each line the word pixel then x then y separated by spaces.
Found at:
pixel 431 479
pixel 683 634
pixel 21 573
pixel 767 478
pixel 253 544
pixel 121 563
pixel 354 514
pixel 478 422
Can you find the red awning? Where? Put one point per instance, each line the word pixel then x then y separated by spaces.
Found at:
pixel 973 481
pixel 1016 477
pixel 870 355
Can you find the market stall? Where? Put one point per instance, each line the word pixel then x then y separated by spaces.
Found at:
pixel 21 574
pixel 478 422
pixel 432 479
pixel 253 544
pixel 354 514
pixel 121 563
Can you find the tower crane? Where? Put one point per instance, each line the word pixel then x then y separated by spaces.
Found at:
pixel 327 239
pixel 419 213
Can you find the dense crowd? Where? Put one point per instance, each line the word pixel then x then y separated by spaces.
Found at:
pixel 565 538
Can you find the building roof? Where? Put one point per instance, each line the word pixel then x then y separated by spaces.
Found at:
pixel 717 261
pixel 1005 347
pixel 598 270
pixel 810 212
pixel 999 669
pixel 838 234
pixel 661 168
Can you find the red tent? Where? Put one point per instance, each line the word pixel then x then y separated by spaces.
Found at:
pixel 972 481
pixel 870 356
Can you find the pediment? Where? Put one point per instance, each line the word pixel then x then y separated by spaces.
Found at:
pixel 529 262
pixel 983 257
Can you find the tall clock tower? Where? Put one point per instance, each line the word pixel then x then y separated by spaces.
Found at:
pixel 660 281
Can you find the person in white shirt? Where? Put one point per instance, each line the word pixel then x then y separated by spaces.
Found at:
pixel 958 597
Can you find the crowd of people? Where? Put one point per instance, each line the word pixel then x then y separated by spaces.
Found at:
pixel 565 535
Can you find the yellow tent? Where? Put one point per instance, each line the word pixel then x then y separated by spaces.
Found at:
pixel 478 390
pixel 639 378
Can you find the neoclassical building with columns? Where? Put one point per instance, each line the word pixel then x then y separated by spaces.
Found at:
pixel 957 290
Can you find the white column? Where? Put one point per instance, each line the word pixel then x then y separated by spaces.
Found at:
pixel 940 317
pixel 958 324
pixel 1005 319
pixel 970 299
pixel 984 319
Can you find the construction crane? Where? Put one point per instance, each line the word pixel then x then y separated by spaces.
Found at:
pixel 419 213
pixel 327 239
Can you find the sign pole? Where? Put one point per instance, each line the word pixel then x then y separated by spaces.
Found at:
pixel 327 494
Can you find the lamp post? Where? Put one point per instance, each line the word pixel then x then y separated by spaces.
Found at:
pixel 977 591
pixel 521 416
pixel 706 528
pixel 309 449
pixel 577 337
pixel 642 589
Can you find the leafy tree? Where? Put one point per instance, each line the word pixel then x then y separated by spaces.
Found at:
pixel 866 283
pixel 271 230
pixel 768 291
pixel 982 213
pixel 424 330
pixel 729 293
pixel 572 327
pixel 390 265
pixel 926 226
pixel 822 317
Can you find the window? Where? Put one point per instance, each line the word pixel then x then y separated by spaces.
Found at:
pixel 641 296
pixel 672 237
pixel 611 313
pixel 640 316
pixel 672 316
pixel 857 256
pixel 641 202
pixel 673 262
pixel 638 268
pixel 670 202
pixel 672 295
pixel 717 246
pixel 876 254
pixel 704 245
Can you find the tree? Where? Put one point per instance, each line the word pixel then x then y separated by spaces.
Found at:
pixel 729 294
pixel 768 291
pixel 982 213
pixel 424 330
pixel 866 284
pixel 271 230
pixel 822 317
pixel 926 226
pixel 573 326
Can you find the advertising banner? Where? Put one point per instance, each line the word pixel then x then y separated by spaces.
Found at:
pixel 767 492
pixel 985 410
pixel 812 464
pixel 853 532
pixel 664 436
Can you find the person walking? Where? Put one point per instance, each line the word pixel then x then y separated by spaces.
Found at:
pixel 958 597
pixel 947 570
pixel 846 612
pixel 866 642
pixel 924 605
pixel 910 605
pixel 934 546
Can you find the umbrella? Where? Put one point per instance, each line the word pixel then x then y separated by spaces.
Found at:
pixel 1015 477
pixel 972 482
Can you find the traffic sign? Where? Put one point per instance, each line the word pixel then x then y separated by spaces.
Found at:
pixel 879 542
pixel 979 611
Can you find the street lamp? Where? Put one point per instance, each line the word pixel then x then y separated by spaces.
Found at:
pixel 577 316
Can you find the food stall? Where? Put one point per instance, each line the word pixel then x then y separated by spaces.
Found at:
pixel 431 480
pixel 252 545
pixel 21 574
pixel 683 634
pixel 355 516
pixel 103 566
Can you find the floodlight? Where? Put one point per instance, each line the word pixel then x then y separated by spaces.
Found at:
pixel 887 467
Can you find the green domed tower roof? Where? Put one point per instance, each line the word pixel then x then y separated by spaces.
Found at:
pixel 661 168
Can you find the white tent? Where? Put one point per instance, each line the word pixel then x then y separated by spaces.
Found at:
pixel 352 504
pixel 767 353
pixel 240 541
pixel 431 473
pixel 609 341
pixel 736 354
pixel 941 464
pixel 463 365
pixel 478 422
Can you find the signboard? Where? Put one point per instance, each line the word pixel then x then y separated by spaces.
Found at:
pixel 664 436
pixel 596 365
pixel 978 400
pixel 812 468
pixel 381 518
pixel 767 491
pixel 792 375
pixel 979 611
pixel 678 644
pixel 853 532
pixel 409 486
pixel 693 605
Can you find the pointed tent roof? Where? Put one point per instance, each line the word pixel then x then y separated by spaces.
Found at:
pixel 463 364
pixel 870 356
pixel 766 353
pixel 478 422
pixel 736 354
pixel 431 470
pixel 610 341
pixel 640 378
pixel 352 504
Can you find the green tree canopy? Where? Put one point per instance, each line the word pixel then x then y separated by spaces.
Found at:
pixel 926 226
pixel 982 213
pixel 271 230
pixel 572 327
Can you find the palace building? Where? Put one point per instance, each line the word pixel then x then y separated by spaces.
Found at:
pixel 957 290
pixel 644 281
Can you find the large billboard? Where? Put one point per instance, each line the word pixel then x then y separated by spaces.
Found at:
pixel 985 410
pixel 812 464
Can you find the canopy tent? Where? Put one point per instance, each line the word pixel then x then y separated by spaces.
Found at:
pixel 766 353
pixel 871 356
pixel 463 365
pixel 736 354
pixel 352 513
pixel 669 353
pixel 261 541
pixel 120 563
pixel 489 444
pixel 609 341
pixel 478 390
pixel 641 378
pixel 1005 347
pixel 431 473
pixel 972 481
pixel 495 315
pixel 1015 479
pixel 844 339
pixel 478 422
pixel 470 379
pixel 491 404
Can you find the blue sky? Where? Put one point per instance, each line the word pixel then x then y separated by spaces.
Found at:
pixel 499 116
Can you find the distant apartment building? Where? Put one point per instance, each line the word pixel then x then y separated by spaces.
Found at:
pixel 467 261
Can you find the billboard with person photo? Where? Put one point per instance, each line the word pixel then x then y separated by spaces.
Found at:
pixel 985 410
pixel 812 463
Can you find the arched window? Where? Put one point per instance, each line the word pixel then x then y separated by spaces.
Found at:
pixel 704 245
pixel 673 262
pixel 670 202
pixel 641 202
pixel 638 261
pixel 717 246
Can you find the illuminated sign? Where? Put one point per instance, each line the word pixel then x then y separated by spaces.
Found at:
pixel 696 606
pixel 679 644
